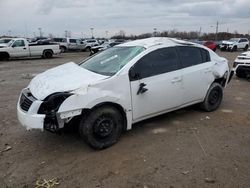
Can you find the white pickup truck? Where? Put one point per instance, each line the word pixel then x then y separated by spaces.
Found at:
pixel 20 47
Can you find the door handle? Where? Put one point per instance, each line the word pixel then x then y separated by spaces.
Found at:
pixel 142 88
pixel 176 79
pixel 24 48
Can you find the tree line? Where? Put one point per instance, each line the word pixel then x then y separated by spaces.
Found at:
pixel 192 35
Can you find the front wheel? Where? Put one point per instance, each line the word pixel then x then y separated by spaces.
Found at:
pixel 102 127
pixel 88 49
pixel 234 49
pixel 213 98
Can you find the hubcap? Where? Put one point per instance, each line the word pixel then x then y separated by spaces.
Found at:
pixel 103 127
pixel 214 97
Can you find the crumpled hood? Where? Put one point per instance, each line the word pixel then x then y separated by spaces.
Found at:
pixel 67 77
pixel 227 42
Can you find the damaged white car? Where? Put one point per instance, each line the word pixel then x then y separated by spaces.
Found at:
pixel 124 85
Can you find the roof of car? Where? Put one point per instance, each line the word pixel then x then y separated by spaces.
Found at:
pixel 153 41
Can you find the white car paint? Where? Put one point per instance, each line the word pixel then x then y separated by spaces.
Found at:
pixel 166 92
pixel 27 50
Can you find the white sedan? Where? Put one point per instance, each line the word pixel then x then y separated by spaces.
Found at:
pixel 123 85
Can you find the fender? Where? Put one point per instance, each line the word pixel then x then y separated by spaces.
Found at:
pixel 74 104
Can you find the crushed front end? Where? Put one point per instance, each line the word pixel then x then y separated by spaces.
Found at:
pixel 36 114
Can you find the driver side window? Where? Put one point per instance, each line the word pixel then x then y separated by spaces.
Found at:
pixel 18 43
pixel 157 62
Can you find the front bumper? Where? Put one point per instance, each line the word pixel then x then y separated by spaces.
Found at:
pixel 30 119
pixel 227 47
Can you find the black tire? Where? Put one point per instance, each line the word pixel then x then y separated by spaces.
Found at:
pixel 234 49
pixel 246 48
pixel 47 54
pixel 102 127
pixel 4 56
pixel 215 49
pixel 88 49
pixel 63 49
pixel 213 98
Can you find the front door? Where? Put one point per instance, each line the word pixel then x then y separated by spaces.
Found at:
pixel 18 49
pixel 156 84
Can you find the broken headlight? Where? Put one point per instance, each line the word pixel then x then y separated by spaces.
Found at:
pixel 52 102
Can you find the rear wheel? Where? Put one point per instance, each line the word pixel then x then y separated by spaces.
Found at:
pixel 213 98
pixel 246 48
pixel 102 127
pixel 47 54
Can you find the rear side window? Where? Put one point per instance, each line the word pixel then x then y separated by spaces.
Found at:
pixel 157 62
pixel 205 55
pixel 191 56
pixel 72 40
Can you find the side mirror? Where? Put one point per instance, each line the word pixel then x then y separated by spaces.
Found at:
pixel 133 75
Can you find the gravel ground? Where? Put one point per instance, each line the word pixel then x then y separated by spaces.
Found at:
pixel 185 148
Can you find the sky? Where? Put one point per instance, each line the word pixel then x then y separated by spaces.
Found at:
pixel 108 17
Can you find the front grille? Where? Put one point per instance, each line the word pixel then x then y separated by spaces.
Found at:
pixel 26 100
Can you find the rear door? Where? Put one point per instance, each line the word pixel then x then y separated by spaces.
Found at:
pixel 196 73
pixel 156 84
pixel 18 49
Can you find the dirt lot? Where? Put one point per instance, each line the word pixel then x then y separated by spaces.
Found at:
pixel 186 148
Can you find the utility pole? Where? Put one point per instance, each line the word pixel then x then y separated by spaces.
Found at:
pixel 107 32
pixel 9 32
pixel 200 32
pixel 40 31
pixel 155 29
pixel 216 33
pixel 92 32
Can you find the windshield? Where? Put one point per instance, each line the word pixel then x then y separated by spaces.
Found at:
pixel 110 61
pixel 234 40
pixel 10 43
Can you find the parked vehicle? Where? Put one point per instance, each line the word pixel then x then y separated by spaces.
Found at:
pixel 241 65
pixel 4 42
pixel 20 47
pixel 234 44
pixel 211 45
pixel 75 44
pixel 104 46
pixel 123 85
pixel 90 43
pixel 63 45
